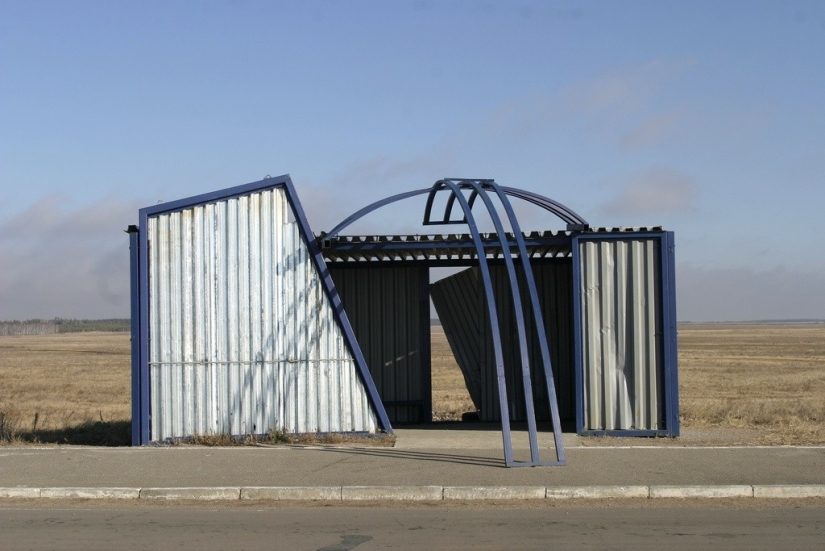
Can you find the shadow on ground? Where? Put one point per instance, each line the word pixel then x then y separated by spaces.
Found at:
pixel 89 433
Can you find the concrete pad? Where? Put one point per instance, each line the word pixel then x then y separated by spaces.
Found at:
pixel 474 436
pixel 208 494
pixel 494 492
pixel 19 492
pixel 597 492
pixel 391 493
pixel 701 491
pixel 90 493
pixel 790 491
pixel 320 493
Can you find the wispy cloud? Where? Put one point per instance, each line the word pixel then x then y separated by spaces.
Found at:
pixel 626 88
pixel 656 191
pixel 621 105
pixel 652 129
pixel 67 261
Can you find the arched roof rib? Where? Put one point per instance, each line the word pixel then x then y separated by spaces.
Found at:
pixel 574 221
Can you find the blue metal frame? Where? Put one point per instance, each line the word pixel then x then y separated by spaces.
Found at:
pixel 480 188
pixel 574 221
pixel 134 262
pixel 140 299
pixel 668 334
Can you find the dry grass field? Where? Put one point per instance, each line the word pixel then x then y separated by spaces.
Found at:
pixel 766 380
pixel 767 377
pixel 67 387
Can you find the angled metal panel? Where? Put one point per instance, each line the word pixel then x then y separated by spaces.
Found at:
pixel 460 307
pixel 459 303
pixel 385 307
pixel 243 338
pixel 620 312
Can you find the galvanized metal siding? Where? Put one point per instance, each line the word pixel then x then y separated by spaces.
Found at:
pixel 242 337
pixel 621 352
pixel 459 301
pixel 389 313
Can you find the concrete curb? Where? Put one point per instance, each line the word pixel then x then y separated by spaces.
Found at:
pixel 90 493
pixel 315 493
pixel 790 491
pixel 208 494
pixel 424 493
pixel 494 492
pixel 597 492
pixel 392 493
pixel 700 491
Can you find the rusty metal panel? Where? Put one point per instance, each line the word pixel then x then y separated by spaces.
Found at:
pixel 460 305
pixel 622 359
pixel 388 308
pixel 242 337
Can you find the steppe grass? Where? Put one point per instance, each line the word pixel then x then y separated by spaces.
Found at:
pixel 75 388
pixel 770 377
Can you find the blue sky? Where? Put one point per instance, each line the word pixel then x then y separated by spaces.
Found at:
pixel 706 118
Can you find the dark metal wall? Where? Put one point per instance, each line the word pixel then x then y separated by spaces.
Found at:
pixel 390 315
pixel 460 304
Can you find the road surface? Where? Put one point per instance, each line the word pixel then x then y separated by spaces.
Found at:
pixel 627 524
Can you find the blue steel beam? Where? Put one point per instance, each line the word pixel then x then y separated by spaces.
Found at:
pixel 573 220
pixel 538 320
pixel 520 329
pixel 492 313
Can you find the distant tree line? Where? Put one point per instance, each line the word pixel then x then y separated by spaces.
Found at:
pixel 61 325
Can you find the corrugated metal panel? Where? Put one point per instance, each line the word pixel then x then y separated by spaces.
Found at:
pixel 621 356
pixel 460 304
pixel 389 310
pixel 242 337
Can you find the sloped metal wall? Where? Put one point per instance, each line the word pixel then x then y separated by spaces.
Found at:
pixel 459 301
pixel 242 337
pixel 389 312
pixel 621 331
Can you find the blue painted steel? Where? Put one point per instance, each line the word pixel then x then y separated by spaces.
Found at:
pixel 480 189
pixel 669 332
pixel 143 341
pixel 371 207
pixel 574 221
pixel 669 338
pixel 448 209
pixel 140 424
pixel 134 263
pixel 456 243
pixel 520 330
pixel 539 323
pixel 491 312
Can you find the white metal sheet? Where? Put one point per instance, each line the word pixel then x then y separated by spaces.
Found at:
pixel 243 339
pixel 621 356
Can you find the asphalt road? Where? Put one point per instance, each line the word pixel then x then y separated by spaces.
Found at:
pixel 604 525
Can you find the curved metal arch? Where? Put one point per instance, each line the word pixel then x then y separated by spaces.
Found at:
pixel 492 311
pixel 573 220
pixel 538 318
pixel 479 189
